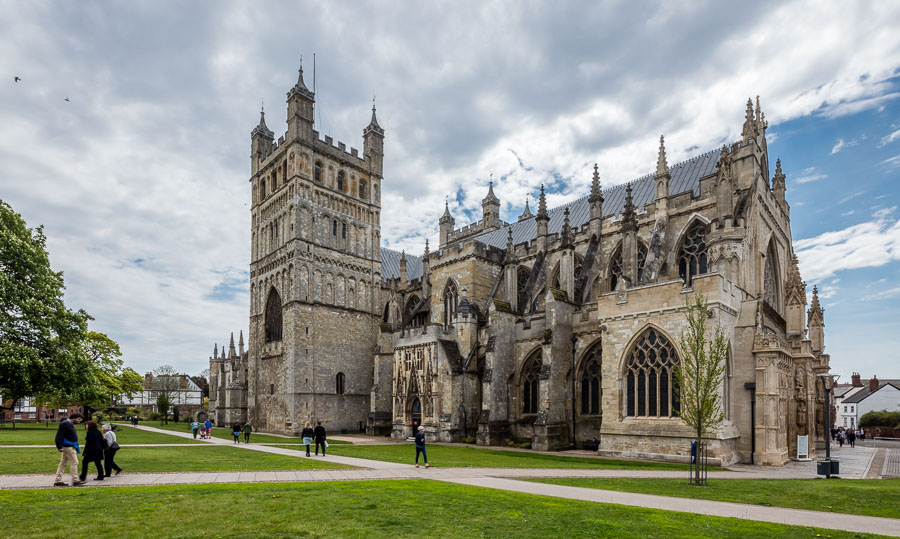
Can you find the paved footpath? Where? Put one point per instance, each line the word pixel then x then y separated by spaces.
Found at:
pixel 501 479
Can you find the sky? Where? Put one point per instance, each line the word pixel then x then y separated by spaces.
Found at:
pixel 128 135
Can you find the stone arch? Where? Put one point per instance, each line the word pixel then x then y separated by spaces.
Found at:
pixel 588 379
pixel 450 301
pixel 523 274
pixel 529 381
pixel 617 263
pixel 772 282
pixel 692 258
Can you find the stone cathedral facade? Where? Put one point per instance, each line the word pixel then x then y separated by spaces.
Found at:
pixel 554 329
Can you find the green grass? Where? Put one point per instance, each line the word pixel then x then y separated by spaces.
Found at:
pixel 872 497
pixel 164 459
pixel 457 456
pixel 367 509
pixel 225 434
pixel 38 434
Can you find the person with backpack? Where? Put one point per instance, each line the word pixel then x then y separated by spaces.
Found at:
pixel 110 448
pixel 67 444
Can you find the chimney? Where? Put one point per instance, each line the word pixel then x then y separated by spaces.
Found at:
pixel 855 381
pixel 148 381
pixel 873 383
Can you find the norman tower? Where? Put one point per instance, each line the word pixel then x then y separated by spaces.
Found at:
pixel 314 267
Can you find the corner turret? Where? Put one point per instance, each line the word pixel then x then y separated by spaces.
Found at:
pixel 446 224
pixel 542 220
pixel 527 213
pixel 373 145
pixel 300 114
pixel 778 184
pixel 816 323
pixel 261 140
pixel 490 207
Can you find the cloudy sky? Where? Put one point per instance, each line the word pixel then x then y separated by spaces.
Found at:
pixel 128 134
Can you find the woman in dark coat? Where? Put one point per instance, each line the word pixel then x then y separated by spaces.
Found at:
pixel 93 451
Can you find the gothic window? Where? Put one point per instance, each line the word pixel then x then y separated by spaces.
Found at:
pixel 451 301
pixel 339 383
pixel 317 175
pixel 692 254
pixel 262 188
pixel 343 231
pixel 387 312
pixel 531 376
pixel 419 318
pixel 770 279
pixel 590 381
pixel 522 276
pixel 363 192
pixel 651 385
pixel 273 317
pixel 340 180
pixel 333 227
pixel 616 265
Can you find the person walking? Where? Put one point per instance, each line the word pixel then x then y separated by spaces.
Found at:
pixel 208 426
pixel 93 451
pixel 247 430
pixel 420 447
pixel 109 452
pixel 851 437
pixel 195 426
pixel 307 434
pixel 236 431
pixel 67 444
pixel 319 433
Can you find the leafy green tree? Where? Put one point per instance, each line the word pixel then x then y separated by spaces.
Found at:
pixel 166 382
pixel 701 373
pixel 162 404
pixel 40 338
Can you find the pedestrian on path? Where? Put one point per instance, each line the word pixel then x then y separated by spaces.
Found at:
pixel 93 451
pixel 195 426
pixel 307 435
pixel 236 431
pixel 247 430
pixel 851 437
pixel 67 444
pixel 420 447
pixel 320 438
pixel 208 426
pixel 110 450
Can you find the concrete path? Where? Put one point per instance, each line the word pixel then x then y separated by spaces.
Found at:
pixel 502 479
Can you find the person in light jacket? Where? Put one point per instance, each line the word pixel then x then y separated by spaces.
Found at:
pixel 109 452
pixel 307 434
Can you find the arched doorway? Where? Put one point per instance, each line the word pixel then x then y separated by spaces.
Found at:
pixel 416 415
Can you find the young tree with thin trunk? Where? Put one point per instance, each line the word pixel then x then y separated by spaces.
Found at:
pixel 701 372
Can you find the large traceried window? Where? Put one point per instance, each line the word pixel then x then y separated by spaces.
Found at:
pixel 273 317
pixel 590 381
pixel 531 377
pixel 771 287
pixel 616 265
pixel 451 302
pixel 651 386
pixel 522 276
pixel 692 254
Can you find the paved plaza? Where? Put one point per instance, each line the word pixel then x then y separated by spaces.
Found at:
pixel 858 462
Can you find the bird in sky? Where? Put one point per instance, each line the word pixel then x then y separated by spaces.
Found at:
pixel 17 79
pixel 67 99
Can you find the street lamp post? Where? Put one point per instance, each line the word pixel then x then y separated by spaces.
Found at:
pixel 828 381
pixel 574 340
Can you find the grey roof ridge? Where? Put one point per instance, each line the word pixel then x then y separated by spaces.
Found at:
pixel 650 175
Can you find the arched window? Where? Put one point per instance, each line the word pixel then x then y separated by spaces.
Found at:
pixel 262 188
pixel 317 175
pixel 692 254
pixel 363 191
pixel 340 180
pixel 387 312
pixel 531 376
pixel 339 384
pixel 651 384
pixel 333 227
pixel 273 317
pixel 616 265
pixel 770 280
pixel 590 381
pixel 451 301
pixel 522 276
pixel 419 318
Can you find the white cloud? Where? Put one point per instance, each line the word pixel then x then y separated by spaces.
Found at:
pixel 810 175
pixel 841 144
pixel 890 293
pixel 891 162
pixel 870 244
pixel 847 213
pixel 889 138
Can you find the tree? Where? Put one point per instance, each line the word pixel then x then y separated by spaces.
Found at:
pixel 166 381
pixel 700 373
pixel 40 338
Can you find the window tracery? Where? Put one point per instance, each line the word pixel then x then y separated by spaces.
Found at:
pixel 451 302
pixel 531 376
pixel 616 265
pixel 651 384
pixel 590 381
pixel 522 276
pixel 692 259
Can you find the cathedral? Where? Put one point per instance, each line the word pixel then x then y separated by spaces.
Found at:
pixel 558 328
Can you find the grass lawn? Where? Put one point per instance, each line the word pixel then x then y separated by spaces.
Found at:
pixel 38 434
pixel 872 497
pixel 457 456
pixel 164 459
pixel 367 509
pixel 225 434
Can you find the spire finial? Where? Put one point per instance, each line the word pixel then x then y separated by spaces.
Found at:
pixel 662 167
pixel 542 203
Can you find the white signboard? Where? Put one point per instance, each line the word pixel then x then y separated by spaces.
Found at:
pixel 803 448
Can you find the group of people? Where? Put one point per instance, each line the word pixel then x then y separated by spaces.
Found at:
pixel 237 429
pixel 318 434
pixel 842 435
pixel 203 429
pixel 100 447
